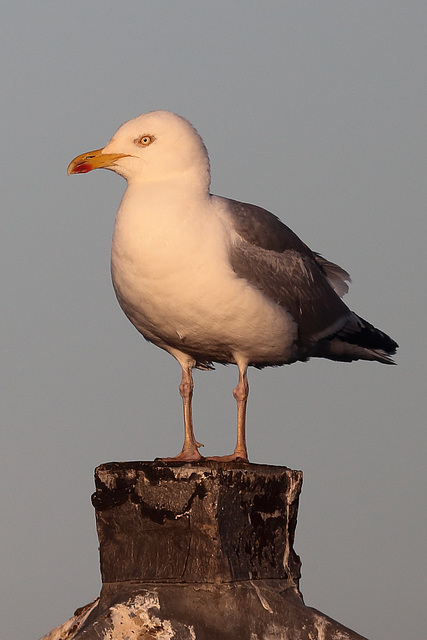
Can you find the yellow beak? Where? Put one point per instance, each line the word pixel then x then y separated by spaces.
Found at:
pixel 93 160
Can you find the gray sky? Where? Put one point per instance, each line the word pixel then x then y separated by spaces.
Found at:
pixel 314 110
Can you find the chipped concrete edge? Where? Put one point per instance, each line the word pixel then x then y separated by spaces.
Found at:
pixel 69 629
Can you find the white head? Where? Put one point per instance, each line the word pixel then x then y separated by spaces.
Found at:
pixel 155 146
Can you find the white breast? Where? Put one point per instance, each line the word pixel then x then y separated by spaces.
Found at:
pixel 172 279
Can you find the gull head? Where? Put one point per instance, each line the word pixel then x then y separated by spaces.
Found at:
pixel 153 147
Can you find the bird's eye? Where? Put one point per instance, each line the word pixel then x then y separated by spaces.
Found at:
pixel 144 140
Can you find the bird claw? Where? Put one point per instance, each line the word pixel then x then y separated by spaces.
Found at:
pixel 186 455
pixel 234 457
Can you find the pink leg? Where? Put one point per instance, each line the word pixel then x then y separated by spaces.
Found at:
pixel 190 447
pixel 240 394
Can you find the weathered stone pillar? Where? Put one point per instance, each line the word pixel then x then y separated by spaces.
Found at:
pixel 198 551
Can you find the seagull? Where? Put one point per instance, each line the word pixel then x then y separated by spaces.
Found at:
pixel 213 280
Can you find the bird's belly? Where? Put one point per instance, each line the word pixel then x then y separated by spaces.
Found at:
pixel 173 280
pixel 203 309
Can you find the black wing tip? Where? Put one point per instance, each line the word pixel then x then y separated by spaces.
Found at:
pixel 360 340
pixel 363 334
pixel 383 356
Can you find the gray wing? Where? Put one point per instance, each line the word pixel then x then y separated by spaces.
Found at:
pixel 336 276
pixel 265 230
pixel 270 256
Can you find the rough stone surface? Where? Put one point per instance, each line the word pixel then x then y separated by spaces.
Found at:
pixel 198 551
pixel 209 522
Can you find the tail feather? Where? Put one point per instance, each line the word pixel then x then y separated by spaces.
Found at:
pixel 358 340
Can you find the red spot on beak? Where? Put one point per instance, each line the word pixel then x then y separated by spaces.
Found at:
pixel 84 167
